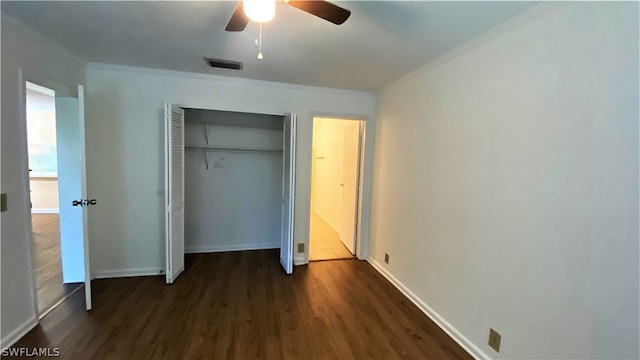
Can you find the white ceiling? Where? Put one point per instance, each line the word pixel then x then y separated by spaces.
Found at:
pixel 381 41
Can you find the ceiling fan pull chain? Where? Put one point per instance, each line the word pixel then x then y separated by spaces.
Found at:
pixel 260 57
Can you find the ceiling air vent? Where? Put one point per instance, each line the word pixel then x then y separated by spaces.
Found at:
pixel 225 64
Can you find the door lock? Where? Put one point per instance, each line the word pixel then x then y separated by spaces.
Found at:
pixel 84 202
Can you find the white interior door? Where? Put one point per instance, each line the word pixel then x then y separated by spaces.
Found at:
pixel 288 193
pixel 72 191
pixel 85 215
pixel 174 191
pixel 350 167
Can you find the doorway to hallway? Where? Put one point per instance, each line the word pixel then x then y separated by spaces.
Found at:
pixel 335 174
pixel 52 153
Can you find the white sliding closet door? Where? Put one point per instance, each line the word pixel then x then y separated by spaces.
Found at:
pixel 288 193
pixel 174 191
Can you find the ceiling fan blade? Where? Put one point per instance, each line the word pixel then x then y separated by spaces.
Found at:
pixel 238 20
pixel 323 9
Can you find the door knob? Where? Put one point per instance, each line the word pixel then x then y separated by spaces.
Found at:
pixel 84 202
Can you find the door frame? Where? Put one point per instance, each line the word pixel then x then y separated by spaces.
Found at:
pixel 364 184
pixel 24 173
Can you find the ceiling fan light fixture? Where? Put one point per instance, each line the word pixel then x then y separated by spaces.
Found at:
pixel 260 10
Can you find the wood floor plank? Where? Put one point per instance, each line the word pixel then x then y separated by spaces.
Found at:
pixel 241 305
pixel 48 264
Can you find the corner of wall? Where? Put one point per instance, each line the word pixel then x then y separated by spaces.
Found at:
pixel 19 332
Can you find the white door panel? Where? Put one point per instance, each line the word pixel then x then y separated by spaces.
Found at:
pixel 174 191
pixel 72 189
pixel 85 215
pixel 288 193
pixel 350 166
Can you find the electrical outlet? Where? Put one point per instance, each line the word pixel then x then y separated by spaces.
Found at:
pixel 3 202
pixel 494 340
pixel 300 248
pixel 386 258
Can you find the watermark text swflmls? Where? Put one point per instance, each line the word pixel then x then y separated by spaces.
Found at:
pixel 31 352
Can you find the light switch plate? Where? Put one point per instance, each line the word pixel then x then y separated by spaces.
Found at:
pixel 3 202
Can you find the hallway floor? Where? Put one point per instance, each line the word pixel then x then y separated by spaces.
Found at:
pixel 325 242
pixel 48 266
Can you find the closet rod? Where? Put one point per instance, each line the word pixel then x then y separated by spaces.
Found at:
pixel 201 148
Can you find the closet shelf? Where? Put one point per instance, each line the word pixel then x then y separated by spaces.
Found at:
pixel 214 149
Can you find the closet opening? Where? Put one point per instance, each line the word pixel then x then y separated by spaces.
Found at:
pixel 233 190
pixel 335 183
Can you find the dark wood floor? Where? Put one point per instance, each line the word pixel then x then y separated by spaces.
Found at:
pixel 241 305
pixel 48 267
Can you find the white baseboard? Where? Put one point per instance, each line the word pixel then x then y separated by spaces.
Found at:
pixel 226 248
pixel 456 335
pixel 19 332
pixel 326 219
pixel 299 260
pixel 107 274
pixel 45 211
pixel 155 271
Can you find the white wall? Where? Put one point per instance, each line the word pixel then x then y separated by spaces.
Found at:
pixel 329 141
pixel 506 184
pixel 41 136
pixel 125 150
pixel 233 137
pixel 44 194
pixel 46 64
pixel 236 203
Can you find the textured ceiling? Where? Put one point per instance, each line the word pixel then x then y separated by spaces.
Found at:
pixel 382 40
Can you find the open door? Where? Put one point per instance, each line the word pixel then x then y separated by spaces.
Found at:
pixel 288 193
pixel 350 175
pixel 174 191
pixel 72 191
pixel 87 201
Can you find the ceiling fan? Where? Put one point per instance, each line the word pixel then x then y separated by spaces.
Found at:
pixel 264 10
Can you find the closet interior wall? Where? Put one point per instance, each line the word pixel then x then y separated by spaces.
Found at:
pixel 233 181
